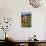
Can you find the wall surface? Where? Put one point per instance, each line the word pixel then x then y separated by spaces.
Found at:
pixel 13 8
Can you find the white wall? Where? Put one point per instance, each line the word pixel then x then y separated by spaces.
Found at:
pixel 13 8
pixel 45 28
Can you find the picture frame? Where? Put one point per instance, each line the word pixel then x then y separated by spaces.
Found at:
pixel 26 19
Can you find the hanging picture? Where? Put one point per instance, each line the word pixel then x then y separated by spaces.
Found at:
pixel 26 19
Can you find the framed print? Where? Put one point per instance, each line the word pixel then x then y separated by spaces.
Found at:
pixel 26 19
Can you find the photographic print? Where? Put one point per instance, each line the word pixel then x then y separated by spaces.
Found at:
pixel 26 19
